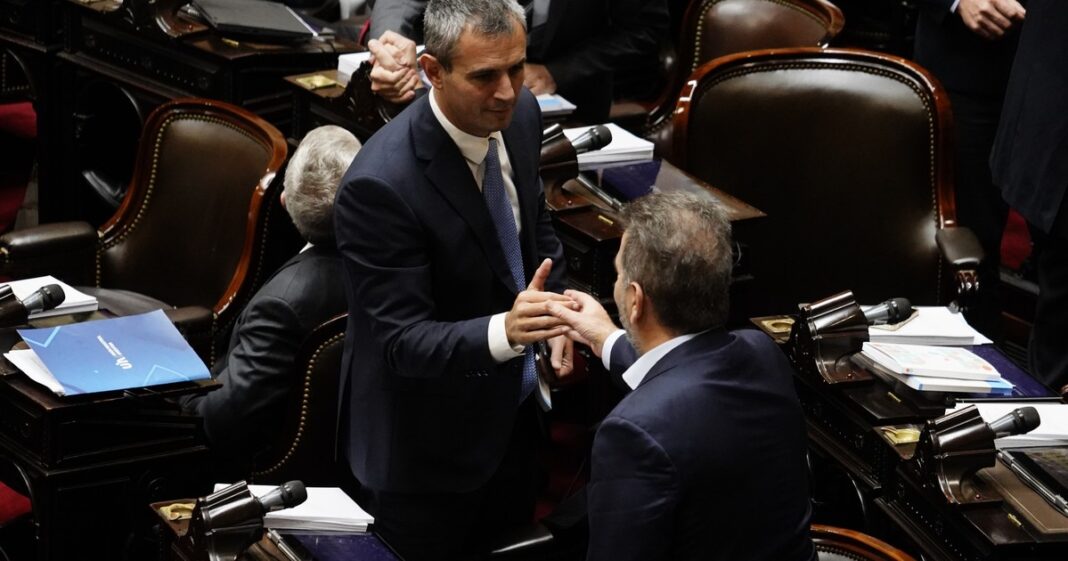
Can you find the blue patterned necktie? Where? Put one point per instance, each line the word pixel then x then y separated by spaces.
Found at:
pixel 500 209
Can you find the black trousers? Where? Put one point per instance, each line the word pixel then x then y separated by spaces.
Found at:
pixel 979 203
pixel 1048 347
pixel 458 526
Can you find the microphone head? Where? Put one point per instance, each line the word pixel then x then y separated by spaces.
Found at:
pixel 1017 421
pixel 286 495
pixel 900 310
pixel 602 136
pixel 1029 419
pixel 52 295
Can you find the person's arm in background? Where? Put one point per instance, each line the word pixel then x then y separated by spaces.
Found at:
pixel 634 29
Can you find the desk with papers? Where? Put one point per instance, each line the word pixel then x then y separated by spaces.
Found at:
pixel 868 429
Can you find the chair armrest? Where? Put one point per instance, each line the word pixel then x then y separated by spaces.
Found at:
pixel 66 250
pixel 960 247
pixel 196 324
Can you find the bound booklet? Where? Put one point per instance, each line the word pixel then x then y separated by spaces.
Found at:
pixel 927 360
pixel 108 354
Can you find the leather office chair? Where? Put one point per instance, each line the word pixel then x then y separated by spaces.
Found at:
pixel 840 544
pixel 847 151
pixel 191 231
pixel 714 28
pixel 304 448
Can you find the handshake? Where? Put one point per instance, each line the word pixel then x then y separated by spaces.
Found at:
pixel 559 319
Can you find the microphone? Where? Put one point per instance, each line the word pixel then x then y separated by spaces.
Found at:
pixel 286 495
pixel 43 299
pixel 891 311
pixel 16 312
pixel 1017 421
pixel 594 138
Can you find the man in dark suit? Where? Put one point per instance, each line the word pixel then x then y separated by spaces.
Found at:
pixel 1030 163
pixel 257 372
pixel 574 47
pixel 968 45
pixel 442 224
pixel 705 458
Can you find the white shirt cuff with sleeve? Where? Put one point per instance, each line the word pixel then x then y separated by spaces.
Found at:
pixel 953 8
pixel 606 349
pixel 499 348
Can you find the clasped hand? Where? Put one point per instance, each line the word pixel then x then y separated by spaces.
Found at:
pixel 530 321
pixel 394 72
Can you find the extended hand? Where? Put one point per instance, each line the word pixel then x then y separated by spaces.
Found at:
pixel 529 319
pixel 990 18
pixel 538 79
pixel 395 74
pixel 589 325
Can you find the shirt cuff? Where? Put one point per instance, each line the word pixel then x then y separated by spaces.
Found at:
pixel 953 8
pixel 499 348
pixel 606 349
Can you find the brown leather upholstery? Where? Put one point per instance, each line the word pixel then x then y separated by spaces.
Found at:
pixel 841 544
pixel 846 151
pixel 714 28
pixel 305 446
pixel 193 226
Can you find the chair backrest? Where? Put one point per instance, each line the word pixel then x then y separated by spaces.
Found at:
pixel 847 153
pixel 715 28
pixel 841 544
pixel 304 448
pixel 191 228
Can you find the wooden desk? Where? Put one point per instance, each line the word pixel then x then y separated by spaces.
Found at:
pixel 122 59
pixel 87 461
pixel 844 422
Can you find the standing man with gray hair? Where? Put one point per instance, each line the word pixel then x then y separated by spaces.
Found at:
pixel 705 458
pixel 448 252
pixel 257 372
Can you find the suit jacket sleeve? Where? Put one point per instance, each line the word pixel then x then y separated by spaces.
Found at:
pixel 633 495
pixel 623 356
pixel 240 416
pixel 402 16
pixel 382 244
pixel 634 28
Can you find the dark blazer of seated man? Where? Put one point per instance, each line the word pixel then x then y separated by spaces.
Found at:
pixel 705 458
pixel 256 373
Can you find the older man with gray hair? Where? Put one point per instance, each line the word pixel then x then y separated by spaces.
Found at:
pixel 257 372
pixel 705 458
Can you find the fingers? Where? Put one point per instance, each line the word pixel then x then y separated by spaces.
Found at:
pixel 1011 9
pixel 561 357
pixel 537 282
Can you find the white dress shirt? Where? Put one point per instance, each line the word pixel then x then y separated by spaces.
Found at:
pixel 637 371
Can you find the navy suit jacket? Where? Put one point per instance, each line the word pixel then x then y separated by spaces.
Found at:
pixel 1030 157
pixel 257 373
pixel 705 459
pixel 425 406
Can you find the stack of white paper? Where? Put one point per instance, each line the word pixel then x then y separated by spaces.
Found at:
pixel 934 369
pixel 625 147
pixel 1052 431
pixel 74 301
pixel 933 325
pixel 328 509
pixel 348 63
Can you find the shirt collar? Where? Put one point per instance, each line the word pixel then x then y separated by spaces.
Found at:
pixel 473 148
pixel 641 367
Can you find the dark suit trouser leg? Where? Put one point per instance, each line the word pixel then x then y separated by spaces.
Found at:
pixel 448 526
pixel 979 203
pixel 1049 335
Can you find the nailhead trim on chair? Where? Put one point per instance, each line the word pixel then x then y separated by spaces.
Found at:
pixel 303 407
pixel 921 94
pixel 705 7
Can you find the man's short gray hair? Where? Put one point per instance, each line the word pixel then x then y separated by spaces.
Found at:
pixel 312 179
pixel 445 20
pixel 679 250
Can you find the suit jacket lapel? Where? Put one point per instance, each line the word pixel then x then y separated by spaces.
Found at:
pixel 447 171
